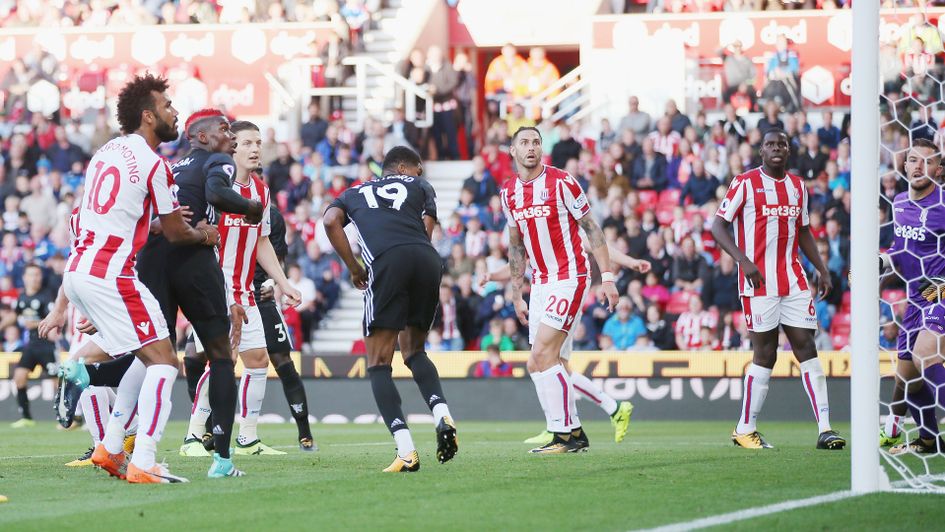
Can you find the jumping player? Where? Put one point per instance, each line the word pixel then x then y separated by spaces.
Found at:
pixel 241 244
pixel 917 255
pixel 546 209
pixel 769 208
pixel 619 412
pixel 126 182
pixel 400 277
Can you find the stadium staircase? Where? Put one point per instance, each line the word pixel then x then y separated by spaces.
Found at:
pixel 342 326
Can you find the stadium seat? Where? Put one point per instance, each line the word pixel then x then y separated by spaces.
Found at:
pixel 679 302
pixel 664 213
pixel 840 324
pixel 845 302
pixel 648 198
pixel 670 197
pixel 893 295
pixel 840 341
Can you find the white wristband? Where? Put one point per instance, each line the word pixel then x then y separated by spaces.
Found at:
pixel 606 277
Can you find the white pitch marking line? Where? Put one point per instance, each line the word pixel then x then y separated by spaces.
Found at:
pixel 751 513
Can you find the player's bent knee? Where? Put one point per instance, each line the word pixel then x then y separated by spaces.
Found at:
pixel 160 352
pixel 255 358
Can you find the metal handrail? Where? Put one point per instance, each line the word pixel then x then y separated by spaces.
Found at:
pixel 544 100
pixel 411 90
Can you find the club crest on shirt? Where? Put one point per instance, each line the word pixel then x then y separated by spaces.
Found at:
pixel 923 216
pixel 228 168
pixel 543 195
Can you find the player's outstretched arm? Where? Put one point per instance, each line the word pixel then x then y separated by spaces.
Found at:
pixel 806 242
pixel 517 272
pixel 722 232
pixel 266 256
pixel 177 231
pixel 335 228
pixel 598 246
pixel 56 319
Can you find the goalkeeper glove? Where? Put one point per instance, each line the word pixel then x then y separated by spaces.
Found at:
pixel 932 289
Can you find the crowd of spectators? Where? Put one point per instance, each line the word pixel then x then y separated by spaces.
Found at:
pixel 353 14
pixel 654 182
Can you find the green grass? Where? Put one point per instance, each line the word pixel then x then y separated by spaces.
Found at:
pixel 663 473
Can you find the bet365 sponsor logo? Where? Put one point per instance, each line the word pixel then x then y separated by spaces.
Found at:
pixel 910 233
pixel 790 211
pixel 236 221
pixel 538 211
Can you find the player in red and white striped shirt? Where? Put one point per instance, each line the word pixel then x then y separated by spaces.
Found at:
pixel 547 209
pixel 241 243
pixel 126 183
pixel 768 207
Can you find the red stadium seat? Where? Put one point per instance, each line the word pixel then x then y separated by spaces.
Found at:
pixel 648 198
pixel 845 303
pixel 840 340
pixel 679 302
pixel 670 197
pixel 893 295
pixel 664 214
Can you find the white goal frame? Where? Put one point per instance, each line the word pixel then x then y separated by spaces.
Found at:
pixel 865 470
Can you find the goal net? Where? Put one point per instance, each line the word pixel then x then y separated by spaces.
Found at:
pixel 912 232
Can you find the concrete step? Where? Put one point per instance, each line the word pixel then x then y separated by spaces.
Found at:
pixel 339 335
pixel 349 313
pixel 332 346
pixel 377 46
pixel 334 323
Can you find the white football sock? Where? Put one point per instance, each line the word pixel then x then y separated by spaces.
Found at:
pixel 404 443
pixel 125 406
pixel 440 410
pixel 252 393
pixel 893 425
pixel 94 401
pixel 756 389
pixel 815 384
pixel 200 410
pixel 557 398
pixel 154 407
pixel 587 388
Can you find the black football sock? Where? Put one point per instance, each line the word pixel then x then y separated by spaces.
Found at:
pixel 109 373
pixel 295 395
pixel 194 369
pixel 222 403
pixel 427 379
pixel 23 402
pixel 387 397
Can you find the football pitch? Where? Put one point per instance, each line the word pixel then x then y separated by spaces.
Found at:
pixel 664 473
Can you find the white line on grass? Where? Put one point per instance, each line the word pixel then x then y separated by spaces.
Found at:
pixel 751 513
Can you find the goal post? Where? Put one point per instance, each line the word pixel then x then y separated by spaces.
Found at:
pixel 864 245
